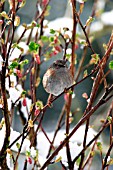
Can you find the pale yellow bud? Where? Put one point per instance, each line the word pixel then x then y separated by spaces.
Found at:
pixel 30 123
pixel 4 14
pixel 9 151
pixel 17 21
pixel 58 159
pixel 22 4
pixel 33 70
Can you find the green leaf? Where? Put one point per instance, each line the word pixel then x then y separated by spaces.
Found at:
pixel 85 73
pixel 52 31
pixel 111 65
pixel 78 161
pixel 83 42
pixel 99 146
pixel 38 25
pixel 109 118
pixel 44 38
pixel 28 153
pixel 13 65
pixel 48 7
pixel 26 61
pixel 24 92
pixel 68 56
pixel 70 92
pixel 95 58
pixel 39 104
pixel 51 39
pixel 33 46
pixel 17 145
pixel 14 45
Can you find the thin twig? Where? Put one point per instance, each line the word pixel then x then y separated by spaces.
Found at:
pixel 102 101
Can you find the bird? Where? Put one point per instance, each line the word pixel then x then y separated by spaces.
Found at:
pixel 57 78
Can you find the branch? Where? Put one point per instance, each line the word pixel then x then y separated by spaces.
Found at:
pixel 82 120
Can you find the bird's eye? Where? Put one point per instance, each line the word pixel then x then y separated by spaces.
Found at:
pixel 55 64
pixel 59 64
